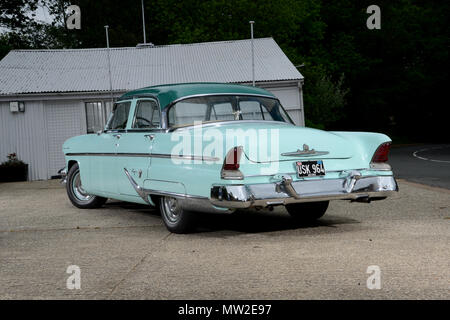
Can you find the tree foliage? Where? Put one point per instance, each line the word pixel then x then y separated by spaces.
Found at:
pixel 324 99
pixel 395 77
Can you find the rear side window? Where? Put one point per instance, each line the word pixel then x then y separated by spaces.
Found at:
pixel 187 112
pixel 253 110
pixel 119 116
pixel 147 115
pixel 222 112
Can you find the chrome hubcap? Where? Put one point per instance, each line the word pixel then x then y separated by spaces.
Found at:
pixel 171 209
pixel 78 190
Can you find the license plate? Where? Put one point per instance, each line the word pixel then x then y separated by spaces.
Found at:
pixel 310 168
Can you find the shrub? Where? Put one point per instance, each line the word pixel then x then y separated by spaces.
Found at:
pixel 13 169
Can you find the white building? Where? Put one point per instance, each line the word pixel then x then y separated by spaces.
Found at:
pixel 47 96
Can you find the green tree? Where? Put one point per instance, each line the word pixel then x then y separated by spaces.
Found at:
pixel 324 99
pixel 396 76
pixel 16 14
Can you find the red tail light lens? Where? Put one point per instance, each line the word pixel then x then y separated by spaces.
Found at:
pixel 381 155
pixel 232 159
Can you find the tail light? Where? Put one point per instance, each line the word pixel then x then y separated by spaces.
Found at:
pixel 232 159
pixel 381 155
pixel 230 168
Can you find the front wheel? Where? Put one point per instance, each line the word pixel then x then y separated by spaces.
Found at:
pixel 76 193
pixel 176 219
pixel 307 211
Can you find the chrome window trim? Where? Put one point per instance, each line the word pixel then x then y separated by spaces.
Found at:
pixel 224 122
pixel 220 94
pixel 165 111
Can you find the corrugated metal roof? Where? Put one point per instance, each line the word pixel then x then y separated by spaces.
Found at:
pixel 84 70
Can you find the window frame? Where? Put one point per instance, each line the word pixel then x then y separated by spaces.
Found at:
pixel 106 130
pixel 165 112
pixel 133 122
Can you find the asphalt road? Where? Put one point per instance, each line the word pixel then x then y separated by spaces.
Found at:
pixel 426 164
pixel 125 252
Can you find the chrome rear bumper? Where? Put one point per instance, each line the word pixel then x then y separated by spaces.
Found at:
pixel 353 187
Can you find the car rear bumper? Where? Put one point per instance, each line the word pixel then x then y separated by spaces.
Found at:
pixel 353 187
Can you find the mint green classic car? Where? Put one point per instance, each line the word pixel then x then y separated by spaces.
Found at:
pixel 211 147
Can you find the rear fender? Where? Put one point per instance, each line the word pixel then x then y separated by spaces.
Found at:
pixel 366 143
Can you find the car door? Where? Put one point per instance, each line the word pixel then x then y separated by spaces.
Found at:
pixel 135 146
pixel 104 159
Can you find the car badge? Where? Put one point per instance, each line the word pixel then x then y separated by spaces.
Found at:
pixel 305 152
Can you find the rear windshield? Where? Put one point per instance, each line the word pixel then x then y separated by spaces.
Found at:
pixel 225 108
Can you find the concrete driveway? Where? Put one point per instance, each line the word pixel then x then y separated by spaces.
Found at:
pixel 124 251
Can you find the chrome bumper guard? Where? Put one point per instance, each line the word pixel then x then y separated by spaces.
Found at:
pixel 63 173
pixel 353 187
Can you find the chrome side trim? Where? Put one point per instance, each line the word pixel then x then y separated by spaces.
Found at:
pixel 231 174
pixel 149 155
pixel 172 194
pixel 187 202
pixel 187 157
pixel 353 187
pixel 140 191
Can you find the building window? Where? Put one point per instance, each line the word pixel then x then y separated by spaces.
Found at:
pixel 97 114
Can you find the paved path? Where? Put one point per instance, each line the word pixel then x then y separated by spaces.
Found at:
pixel 426 164
pixel 125 252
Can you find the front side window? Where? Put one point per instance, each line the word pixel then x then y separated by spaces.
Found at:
pixel 119 116
pixel 147 115
pixel 225 108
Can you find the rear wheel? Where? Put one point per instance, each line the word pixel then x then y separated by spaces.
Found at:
pixel 176 219
pixel 307 211
pixel 76 193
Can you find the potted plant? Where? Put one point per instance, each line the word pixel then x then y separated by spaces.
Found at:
pixel 13 169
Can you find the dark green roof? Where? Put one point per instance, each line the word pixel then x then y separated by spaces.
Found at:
pixel 170 92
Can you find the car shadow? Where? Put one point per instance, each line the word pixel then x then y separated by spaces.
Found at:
pixel 263 221
pixel 242 221
pixel 133 208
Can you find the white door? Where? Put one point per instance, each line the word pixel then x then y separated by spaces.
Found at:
pixel 64 119
pixel 290 98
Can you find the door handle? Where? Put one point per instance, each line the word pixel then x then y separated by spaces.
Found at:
pixel 117 136
pixel 150 136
